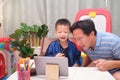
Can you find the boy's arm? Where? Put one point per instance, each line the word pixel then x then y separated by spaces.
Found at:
pixel 75 65
pixel 49 51
pixel 78 58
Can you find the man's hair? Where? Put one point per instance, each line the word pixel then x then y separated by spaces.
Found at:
pixel 62 22
pixel 86 25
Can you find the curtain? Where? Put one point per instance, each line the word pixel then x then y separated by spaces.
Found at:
pixel 49 11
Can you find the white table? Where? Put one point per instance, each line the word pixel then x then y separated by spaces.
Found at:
pixel 76 73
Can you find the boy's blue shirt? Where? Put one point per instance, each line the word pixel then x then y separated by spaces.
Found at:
pixel 73 53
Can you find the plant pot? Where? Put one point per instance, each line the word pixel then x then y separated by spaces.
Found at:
pixel 37 50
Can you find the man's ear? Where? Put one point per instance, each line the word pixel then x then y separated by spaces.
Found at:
pixel 92 33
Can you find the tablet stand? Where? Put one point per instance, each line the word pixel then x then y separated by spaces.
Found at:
pixel 52 72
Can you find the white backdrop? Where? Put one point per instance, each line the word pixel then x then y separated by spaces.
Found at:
pixel 48 11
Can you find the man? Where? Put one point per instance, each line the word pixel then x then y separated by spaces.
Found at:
pixel 102 49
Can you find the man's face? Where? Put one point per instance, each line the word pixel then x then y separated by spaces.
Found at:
pixel 82 39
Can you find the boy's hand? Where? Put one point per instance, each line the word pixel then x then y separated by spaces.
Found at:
pixel 60 55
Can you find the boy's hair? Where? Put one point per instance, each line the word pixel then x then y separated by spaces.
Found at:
pixel 87 25
pixel 62 22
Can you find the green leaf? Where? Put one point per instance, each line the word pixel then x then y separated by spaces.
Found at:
pixel 24 27
pixel 20 38
pixel 36 28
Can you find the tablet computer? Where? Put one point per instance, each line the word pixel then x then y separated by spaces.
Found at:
pixel 41 61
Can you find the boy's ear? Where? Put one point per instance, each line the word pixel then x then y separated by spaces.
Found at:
pixel 55 33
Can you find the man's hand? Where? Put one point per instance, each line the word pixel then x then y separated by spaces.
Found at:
pixel 104 65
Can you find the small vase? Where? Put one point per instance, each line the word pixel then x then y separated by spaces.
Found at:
pixel 37 50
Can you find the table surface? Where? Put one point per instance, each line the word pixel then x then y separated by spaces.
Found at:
pixel 76 73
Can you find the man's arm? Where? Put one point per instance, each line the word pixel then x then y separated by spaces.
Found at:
pixel 107 64
pixel 86 61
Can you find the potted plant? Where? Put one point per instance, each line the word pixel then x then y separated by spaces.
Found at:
pixel 26 37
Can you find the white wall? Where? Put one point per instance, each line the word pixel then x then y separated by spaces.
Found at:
pixel 48 11
pixel 1 17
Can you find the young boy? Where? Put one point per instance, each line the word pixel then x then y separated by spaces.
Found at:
pixel 63 47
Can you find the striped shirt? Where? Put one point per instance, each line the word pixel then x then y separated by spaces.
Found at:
pixel 107 47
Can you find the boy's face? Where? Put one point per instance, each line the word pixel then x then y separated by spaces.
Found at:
pixel 62 32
